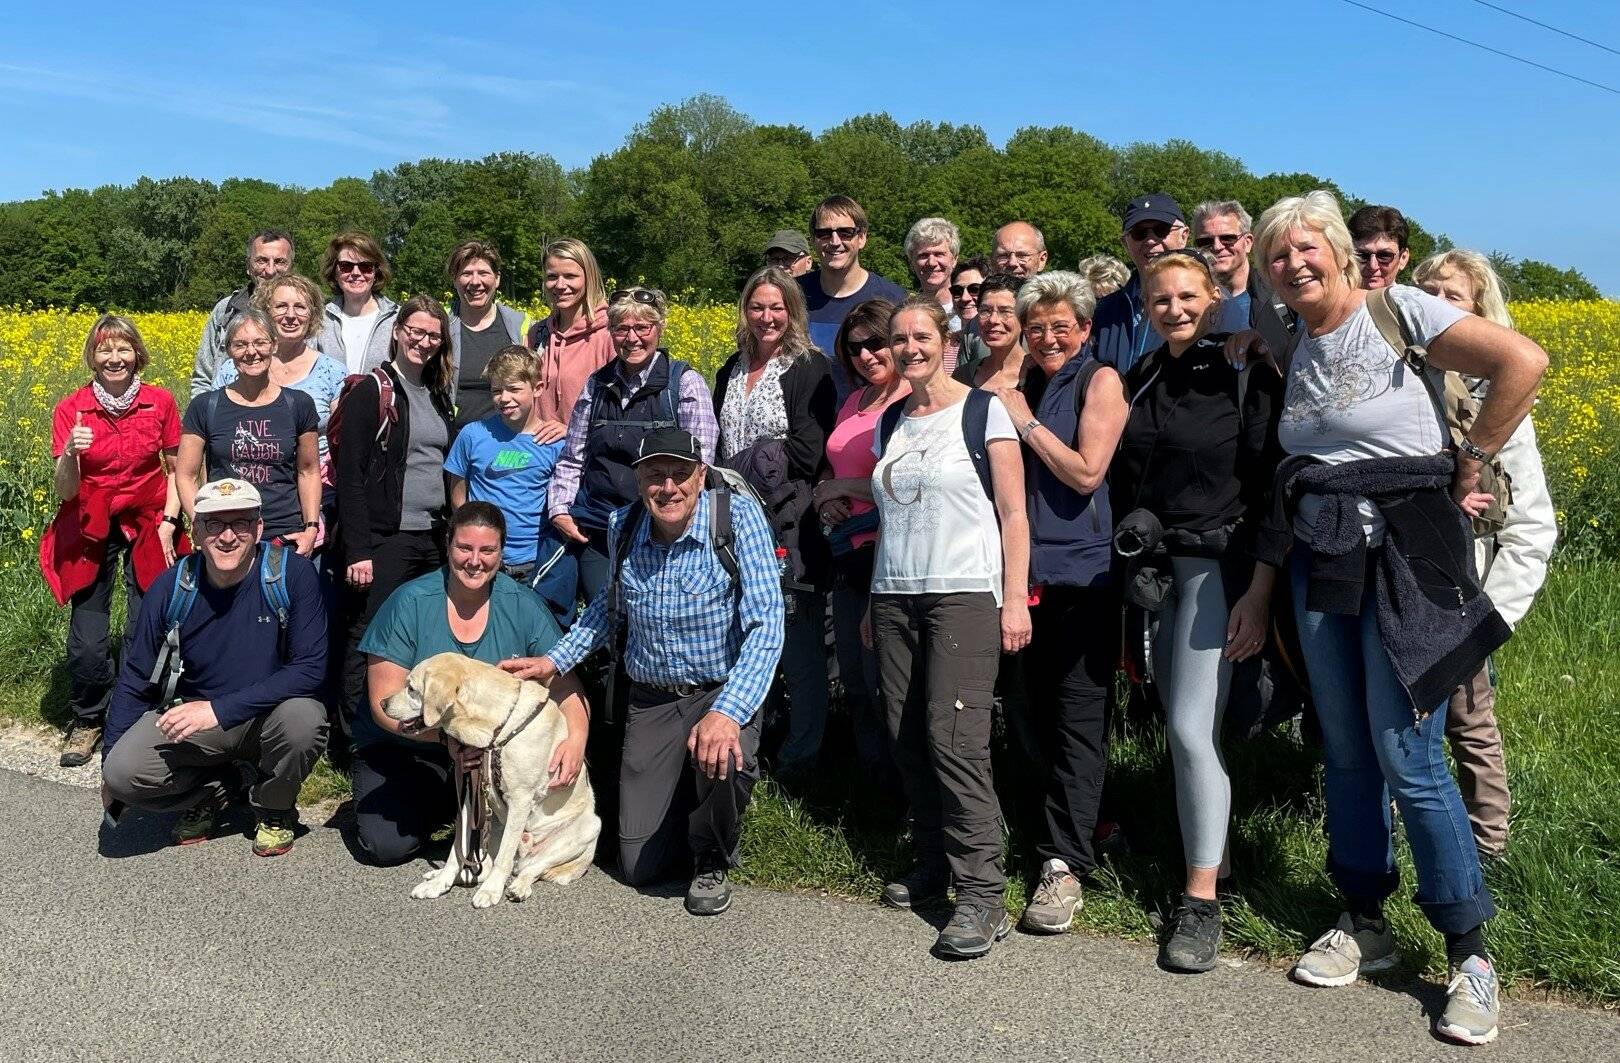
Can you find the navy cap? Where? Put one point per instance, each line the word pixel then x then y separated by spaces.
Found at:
pixel 668 443
pixel 1155 207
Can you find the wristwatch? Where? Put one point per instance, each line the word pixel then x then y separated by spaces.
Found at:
pixel 173 519
pixel 1473 450
pixel 308 524
pixel 1029 426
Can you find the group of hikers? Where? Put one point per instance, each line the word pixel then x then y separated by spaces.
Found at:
pixel 987 494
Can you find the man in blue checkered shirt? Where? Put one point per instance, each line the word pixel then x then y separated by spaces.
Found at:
pixel 701 651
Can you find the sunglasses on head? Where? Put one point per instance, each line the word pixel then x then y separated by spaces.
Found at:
pixel 825 232
pixel 1198 257
pixel 957 290
pixel 645 296
pixel 1385 257
pixel 1226 240
pixel 345 265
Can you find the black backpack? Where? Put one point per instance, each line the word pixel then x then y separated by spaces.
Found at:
pixel 975 419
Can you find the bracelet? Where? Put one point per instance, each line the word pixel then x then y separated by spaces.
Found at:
pixel 1473 450
pixel 309 524
pixel 173 519
pixel 1029 426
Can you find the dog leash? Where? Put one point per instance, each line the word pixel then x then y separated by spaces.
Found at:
pixel 472 802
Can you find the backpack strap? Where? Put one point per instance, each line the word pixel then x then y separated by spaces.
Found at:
pixel 721 534
pixel 387 414
pixel 169 666
pixel 273 586
pixel 669 399
pixel 975 422
pixel 889 422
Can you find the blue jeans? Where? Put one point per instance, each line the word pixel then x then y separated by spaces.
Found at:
pixel 1373 746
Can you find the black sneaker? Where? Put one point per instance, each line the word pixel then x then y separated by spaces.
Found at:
pixel 709 893
pixel 923 883
pixel 1193 938
pixel 972 930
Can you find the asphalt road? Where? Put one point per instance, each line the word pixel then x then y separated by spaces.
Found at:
pixel 119 947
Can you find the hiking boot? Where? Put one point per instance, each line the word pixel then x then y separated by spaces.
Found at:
pixel 1193 940
pixel 1057 898
pixel 80 744
pixel 923 883
pixel 972 930
pixel 197 823
pixel 1471 1004
pixel 709 893
pixel 1353 947
pixel 275 834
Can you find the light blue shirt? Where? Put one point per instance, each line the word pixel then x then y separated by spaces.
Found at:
pixel 511 471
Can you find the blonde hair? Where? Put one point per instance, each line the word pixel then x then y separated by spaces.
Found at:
pixel 796 337
pixel 652 305
pixel 264 293
pixel 1318 211
pixel 1105 273
pixel 1490 294
pixel 576 252
pixel 114 327
pixel 513 363
pixel 1181 258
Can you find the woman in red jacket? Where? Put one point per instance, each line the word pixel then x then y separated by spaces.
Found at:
pixel 115 441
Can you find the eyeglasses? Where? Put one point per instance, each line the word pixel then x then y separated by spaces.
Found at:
pixel 999 313
pixel 244 346
pixel 645 296
pixel 1385 257
pixel 1057 332
pixel 1152 230
pixel 239 525
pixel 1014 256
pixel 363 268
pixel 843 232
pixel 783 259
pixel 868 344
pixel 642 329
pixel 958 290
pixel 415 336
pixel 1226 240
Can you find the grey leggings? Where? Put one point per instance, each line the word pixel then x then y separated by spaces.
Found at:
pixel 1193 679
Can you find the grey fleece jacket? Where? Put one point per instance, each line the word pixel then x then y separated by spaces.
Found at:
pixel 378 346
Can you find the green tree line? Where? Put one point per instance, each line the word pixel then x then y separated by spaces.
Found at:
pixel 686 202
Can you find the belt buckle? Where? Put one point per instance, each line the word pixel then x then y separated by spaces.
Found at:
pixel 684 690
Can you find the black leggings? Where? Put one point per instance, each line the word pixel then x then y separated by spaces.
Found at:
pixel 402 794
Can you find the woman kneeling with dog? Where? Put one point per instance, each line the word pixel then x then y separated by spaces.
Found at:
pixel 403 785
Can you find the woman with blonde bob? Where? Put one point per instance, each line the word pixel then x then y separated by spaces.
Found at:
pixel 776 402
pixel 115 441
pixel 1512 563
pixel 1368 445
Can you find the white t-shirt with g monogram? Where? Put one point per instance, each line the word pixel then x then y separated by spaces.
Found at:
pixel 939 533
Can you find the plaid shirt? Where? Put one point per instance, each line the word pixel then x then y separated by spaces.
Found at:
pixel 685 622
pixel 694 411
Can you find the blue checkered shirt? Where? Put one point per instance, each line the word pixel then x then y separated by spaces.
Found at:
pixel 685 622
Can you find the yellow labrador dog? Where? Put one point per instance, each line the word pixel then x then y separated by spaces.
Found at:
pixel 534 832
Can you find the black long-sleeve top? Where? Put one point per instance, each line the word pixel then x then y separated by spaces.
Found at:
pixel 1187 455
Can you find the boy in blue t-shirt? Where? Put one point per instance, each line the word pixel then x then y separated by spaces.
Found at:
pixel 501 459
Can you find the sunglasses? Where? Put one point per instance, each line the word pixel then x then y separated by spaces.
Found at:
pixel 1199 258
pixel 1153 230
pixel 869 345
pixel 1385 257
pixel 239 525
pixel 364 268
pixel 645 296
pixel 1226 240
pixel 844 232
pixel 958 290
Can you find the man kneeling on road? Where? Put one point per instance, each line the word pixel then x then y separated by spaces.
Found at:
pixel 218 691
pixel 703 614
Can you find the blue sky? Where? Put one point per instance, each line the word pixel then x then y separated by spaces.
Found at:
pixel 1492 153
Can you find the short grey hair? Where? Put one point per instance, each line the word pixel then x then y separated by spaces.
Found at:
pixel 1222 208
pixel 1317 211
pixel 251 316
pixel 931 231
pixel 1058 286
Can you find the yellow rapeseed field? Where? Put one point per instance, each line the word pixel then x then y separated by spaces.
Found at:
pixel 40 361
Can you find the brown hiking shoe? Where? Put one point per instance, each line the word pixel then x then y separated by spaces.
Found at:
pixel 80 744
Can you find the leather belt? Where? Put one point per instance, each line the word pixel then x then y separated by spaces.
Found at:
pixel 680 690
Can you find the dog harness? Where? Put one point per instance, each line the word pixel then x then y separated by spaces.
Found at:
pixel 472 798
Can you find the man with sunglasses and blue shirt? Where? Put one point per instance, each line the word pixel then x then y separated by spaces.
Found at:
pixel 239 710
pixel 838 226
pixel 1120 333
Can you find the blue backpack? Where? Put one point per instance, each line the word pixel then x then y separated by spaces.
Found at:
pixel 169 667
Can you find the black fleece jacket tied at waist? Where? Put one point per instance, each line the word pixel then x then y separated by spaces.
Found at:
pixel 1434 619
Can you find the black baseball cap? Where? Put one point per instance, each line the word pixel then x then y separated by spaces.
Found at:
pixel 1154 207
pixel 668 443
